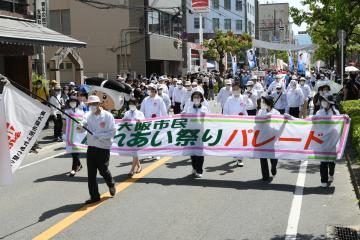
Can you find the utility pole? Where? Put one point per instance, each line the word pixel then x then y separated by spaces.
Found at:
pixel 201 41
pixel 246 22
pixel 42 12
pixel 184 38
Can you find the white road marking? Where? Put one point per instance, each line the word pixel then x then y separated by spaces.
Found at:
pixel 42 160
pixel 295 211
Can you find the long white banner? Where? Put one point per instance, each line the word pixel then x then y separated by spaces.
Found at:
pixel 316 138
pixel 25 117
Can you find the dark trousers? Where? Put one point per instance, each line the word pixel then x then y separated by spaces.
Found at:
pixel 251 112
pixel 75 161
pixel 265 167
pixel 294 111
pixel 98 159
pixel 326 169
pixel 177 108
pixel 281 111
pixel 58 125
pixel 197 163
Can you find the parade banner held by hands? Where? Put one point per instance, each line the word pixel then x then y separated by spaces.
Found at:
pixel 282 137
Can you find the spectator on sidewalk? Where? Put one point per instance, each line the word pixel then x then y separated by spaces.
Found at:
pixel 57 101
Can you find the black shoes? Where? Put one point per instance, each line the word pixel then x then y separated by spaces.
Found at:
pixel 273 171
pixel 112 191
pixel 92 200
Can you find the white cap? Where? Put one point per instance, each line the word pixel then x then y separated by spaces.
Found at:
pixel 72 84
pixel 188 83
pixel 162 78
pixel 153 86
pixel 228 81
pixel 93 99
pixel 254 77
pixel 249 83
pixel 302 79
pixel 179 82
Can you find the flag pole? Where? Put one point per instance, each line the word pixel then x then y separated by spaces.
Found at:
pixel 3 80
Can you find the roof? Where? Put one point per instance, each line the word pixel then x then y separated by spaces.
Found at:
pixel 30 33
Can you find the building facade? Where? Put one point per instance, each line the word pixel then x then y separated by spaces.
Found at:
pixel 136 36
pixel 274 24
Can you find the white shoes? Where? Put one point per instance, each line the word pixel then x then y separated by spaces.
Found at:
pixel 324 185
pixel 239 162
pixel 157 158
pixel 331 178
pixel 197 175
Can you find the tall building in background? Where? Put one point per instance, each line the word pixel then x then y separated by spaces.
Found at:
pixel 237 16
pixel 136 36
pixel 274 24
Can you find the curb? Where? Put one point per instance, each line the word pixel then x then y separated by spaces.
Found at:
pixel 353 179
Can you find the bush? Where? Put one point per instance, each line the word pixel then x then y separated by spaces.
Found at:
pixel 352 108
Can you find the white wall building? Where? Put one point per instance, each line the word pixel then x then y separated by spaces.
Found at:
pixel 224 15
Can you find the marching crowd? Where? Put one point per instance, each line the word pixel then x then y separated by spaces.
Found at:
pixel 277 93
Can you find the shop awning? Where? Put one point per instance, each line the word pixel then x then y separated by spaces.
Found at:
pixel 13 31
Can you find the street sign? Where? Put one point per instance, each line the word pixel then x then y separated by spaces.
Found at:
pixel 41 12
pixel 200 6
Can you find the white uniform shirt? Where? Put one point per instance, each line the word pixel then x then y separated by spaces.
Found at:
pixel 171 90
pixel 223 95
pixel 236 105
pixel 134 115
pixel 259 88
pixel 165 88
pixel 295 97
pixel 330 112
pixel 178 94
pixel 167 100
pixel 58 102
pixel 282 102
pixel 103 128
pixel 186 97
pixel 189 102
pixel 264 113
pixel 153 107
pixel 306 90
pixel 252 100
pixel 190 109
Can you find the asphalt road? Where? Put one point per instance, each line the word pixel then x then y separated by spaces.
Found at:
pixel 166 202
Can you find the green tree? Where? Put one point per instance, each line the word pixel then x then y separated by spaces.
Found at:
pixel 224 43
pixel 324 19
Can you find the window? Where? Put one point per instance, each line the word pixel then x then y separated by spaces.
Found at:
pixel 165 24
pixel 227 24
pixel 197 23
pixel 227 4
pixel 249 28
pixel 239 25
pixel 216 23
pixel 60 21
pixel 238 5
pixel 248 8
pixel 215 4
pixel 154 22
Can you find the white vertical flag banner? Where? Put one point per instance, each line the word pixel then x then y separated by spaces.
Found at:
pixel 5 168
pixel 25 118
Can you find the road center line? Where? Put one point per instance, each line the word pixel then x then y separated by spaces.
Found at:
pixel 295 210
pixel 42 160
pixel 72 218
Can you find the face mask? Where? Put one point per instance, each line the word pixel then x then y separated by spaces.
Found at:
pixel 38 86
pixel 72 104
pixel 227 87
pixel 196 101
pixel 132 107
pixel 302 83
pixel 58 92
pixel 160 92
pixel 236 93
pixel 263 106
pixel 324 104
pixel 293 86
pixel 248 88
pixel 148 92
pixel 179 86
pixel 93 109
pixel 188 88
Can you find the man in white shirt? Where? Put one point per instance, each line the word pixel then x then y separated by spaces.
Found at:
pixel 307 96
pixel 295 99
pixel 236 105
pixel 178 94
pixel 280 99
pixel 252 96
pixel 153 106
pixel 102 125
pixel 164 96
pixel 186 97
pixel 278 80
pixel 57 101
pixel 224 93
pixel 161 82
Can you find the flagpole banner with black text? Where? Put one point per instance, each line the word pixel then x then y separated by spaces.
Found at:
pixel 282 137
pixel 25 118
